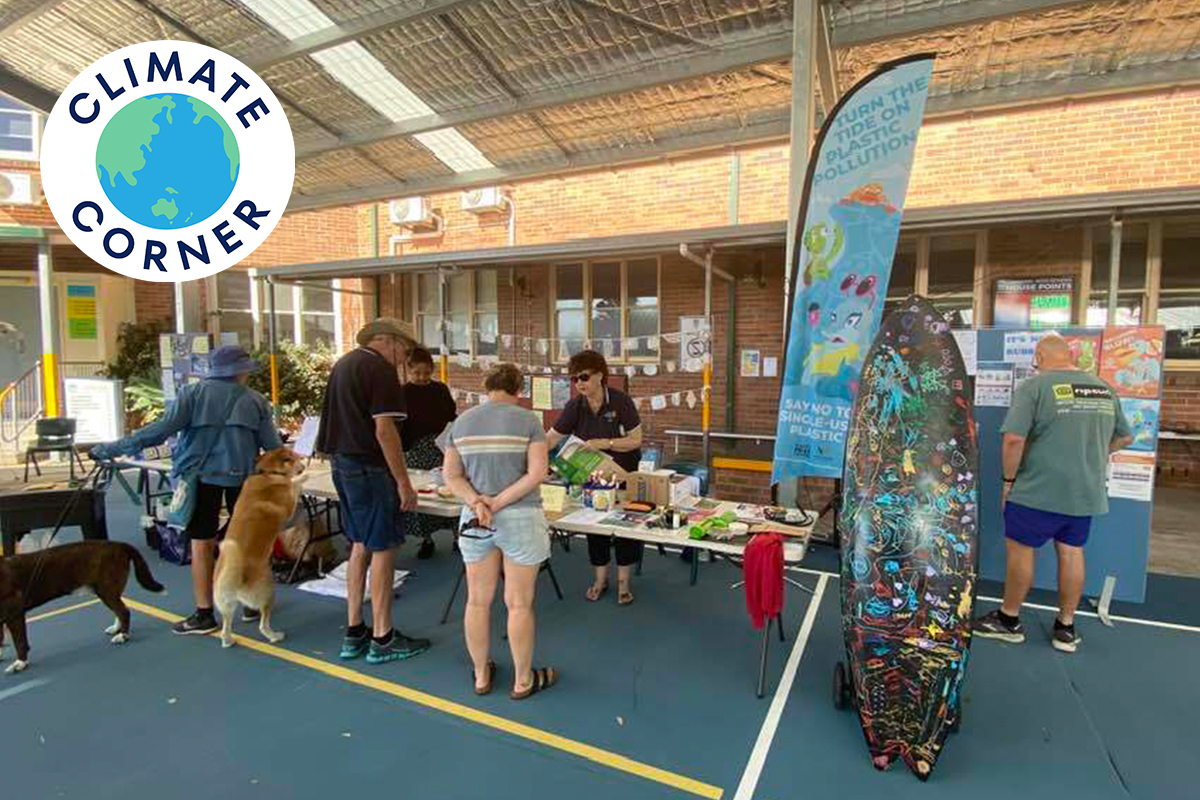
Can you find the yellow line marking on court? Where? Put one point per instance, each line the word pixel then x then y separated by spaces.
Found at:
pixel 66 610
pixel 585 751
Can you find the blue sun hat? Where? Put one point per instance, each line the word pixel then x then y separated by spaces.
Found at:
pixel 230 361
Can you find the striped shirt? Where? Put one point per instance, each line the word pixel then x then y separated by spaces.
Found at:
pixel 493 441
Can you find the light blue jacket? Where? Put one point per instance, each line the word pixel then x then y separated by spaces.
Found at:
pixel 196 415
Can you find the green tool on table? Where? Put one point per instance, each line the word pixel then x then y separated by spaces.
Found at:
pixel 701 529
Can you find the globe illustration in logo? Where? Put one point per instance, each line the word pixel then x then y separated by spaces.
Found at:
pixel 167 161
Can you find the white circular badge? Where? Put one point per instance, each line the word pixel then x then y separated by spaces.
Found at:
pixel 167 161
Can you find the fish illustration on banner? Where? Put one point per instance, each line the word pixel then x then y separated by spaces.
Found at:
pixel 850 215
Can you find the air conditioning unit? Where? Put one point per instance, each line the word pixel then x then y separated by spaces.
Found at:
pixel 20 189
pixel 477 201
pixel 411 211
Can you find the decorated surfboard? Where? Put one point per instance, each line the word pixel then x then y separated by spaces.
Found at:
pixel 908 531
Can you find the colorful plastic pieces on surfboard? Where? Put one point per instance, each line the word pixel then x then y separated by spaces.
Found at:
pixel 909 538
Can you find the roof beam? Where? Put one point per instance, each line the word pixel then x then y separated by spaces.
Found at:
pixel 582 162
pixel 352 30
pixel 27 92
pixel 913 23
pixel 1175 73
pixel 18 14
pixel 775 47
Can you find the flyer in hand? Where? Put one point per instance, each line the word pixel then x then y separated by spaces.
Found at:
pixel 575 462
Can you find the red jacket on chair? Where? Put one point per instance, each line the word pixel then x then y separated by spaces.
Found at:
pixel 763 569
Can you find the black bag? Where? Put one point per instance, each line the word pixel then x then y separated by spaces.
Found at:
pixel 173 544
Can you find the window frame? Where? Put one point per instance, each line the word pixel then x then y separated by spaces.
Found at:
pixel 35 155
pixel 557 355
pixel 413 295
pixel 260 310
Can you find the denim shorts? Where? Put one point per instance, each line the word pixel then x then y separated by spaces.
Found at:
pixel 1033 527
pixel 521 535
pixel 369 503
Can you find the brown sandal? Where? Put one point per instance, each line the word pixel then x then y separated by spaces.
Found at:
pixel 624 597
pixel 543 679
pixel 593 595
pixel 487 689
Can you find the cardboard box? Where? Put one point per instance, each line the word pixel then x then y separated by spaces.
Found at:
pixel 661 487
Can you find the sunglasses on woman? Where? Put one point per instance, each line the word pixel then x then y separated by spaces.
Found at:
pixel 582 377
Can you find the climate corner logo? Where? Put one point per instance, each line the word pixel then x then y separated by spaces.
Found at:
pixel 167 161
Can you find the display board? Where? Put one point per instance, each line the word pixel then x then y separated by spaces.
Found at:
pixel 184 359
pixel 1035 303
pixel 1120 541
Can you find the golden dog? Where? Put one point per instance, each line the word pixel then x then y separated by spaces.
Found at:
pixel 243 573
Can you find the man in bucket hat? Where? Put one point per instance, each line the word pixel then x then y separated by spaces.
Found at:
pixel 363 401
pixel 223 425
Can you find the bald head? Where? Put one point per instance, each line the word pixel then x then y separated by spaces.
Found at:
pixel 1053 352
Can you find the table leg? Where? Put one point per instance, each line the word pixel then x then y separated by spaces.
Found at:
pixel 550 570
pixel 695 566
pixel 453 594
pixel 762 666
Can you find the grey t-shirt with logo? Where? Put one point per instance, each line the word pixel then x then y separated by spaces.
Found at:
pixel 1068 419
pixel 493 441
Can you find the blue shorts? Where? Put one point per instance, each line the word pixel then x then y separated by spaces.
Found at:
pixel 1033 528
pixel 520 534
pixel 369 503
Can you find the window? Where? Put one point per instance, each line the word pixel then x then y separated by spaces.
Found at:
pixel 472 304
pixel 20 129
pixel 903 281
pixel 1179 289
pixel 1131 284
pixel 305 314
pixel 234 311
pixel 612 304
pixel 952 277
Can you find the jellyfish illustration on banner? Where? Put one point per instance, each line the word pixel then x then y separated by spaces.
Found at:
pixel 850 215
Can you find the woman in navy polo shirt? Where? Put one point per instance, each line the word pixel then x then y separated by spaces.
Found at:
pixel 607 420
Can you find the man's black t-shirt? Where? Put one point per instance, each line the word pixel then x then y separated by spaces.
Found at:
pixel 362 386
pixel 615 420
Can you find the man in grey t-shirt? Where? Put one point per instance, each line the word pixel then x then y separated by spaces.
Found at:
pixel 1058 434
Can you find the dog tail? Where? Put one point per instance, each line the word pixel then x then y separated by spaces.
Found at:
pixel 141 571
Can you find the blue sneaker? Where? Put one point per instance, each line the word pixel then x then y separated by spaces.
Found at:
pixel 397 647
pixel 354 646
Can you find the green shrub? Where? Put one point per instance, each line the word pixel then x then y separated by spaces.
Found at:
pixel 303 376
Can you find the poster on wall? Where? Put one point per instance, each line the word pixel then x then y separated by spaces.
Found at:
pixel 81 311
pixel 1131 360
pixel 849 222
pixel 693 343
pixel 751 363
pixel 1020 347
pixel 98 407
pixel 993 384
pixel 1036 303
pixel 184 360
pixel 1142 416
pixel 968 345
pixel 1131 475
pixel 1085 351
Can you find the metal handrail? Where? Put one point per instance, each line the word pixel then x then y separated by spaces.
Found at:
pixel 21 404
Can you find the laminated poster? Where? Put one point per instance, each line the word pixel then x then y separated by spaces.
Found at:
pixel 1019 347
pixel 994 384
pixel 542 394
pixel 1142 416
pixel 968 345
pixel 1131 360
pixel 1085 352
pixel 1131 475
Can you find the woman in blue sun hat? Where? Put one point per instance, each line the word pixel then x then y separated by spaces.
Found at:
pixel 223 426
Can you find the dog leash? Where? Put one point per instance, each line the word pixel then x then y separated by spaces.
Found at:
pixel 94 478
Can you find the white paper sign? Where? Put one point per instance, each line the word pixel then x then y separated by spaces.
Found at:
pixel 658 402
pixel 691 399
pixel 693 343
pixel 968 343
pixel 1019 347
pixel 1131 475
pixel 650 369
pixel 994 384
pixel 770 367
pixel 97 406
pixel 676 399
pixel 306 439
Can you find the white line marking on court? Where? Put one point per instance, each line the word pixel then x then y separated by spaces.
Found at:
pixel 23 687
pixel 758 756
pixel 1153 623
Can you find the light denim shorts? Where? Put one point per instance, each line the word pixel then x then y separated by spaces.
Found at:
pixel 521 535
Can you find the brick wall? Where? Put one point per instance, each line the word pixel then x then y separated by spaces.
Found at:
pixel 1178 463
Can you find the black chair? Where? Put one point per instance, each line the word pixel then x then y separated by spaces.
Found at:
pixel 54 435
